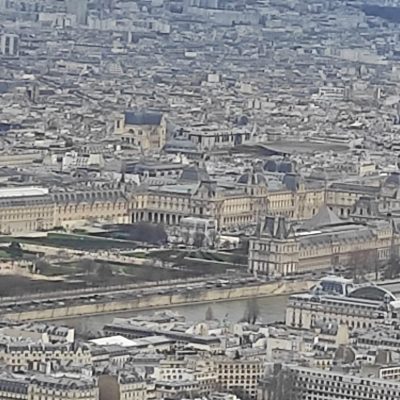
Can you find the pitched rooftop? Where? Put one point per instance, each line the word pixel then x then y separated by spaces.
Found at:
pixel 142 118
pixel 324 217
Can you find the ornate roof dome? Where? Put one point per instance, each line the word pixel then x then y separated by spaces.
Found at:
pixel 393 179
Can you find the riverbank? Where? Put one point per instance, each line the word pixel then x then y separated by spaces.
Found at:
pixel 159 301
pixel 271 309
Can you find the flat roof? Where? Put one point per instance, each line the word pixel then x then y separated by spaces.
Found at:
pixel 23 191
pixel 114 340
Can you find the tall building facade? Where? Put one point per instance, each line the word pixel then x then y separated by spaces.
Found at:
pixel 294 382
pixel 9 45
pixel 78 8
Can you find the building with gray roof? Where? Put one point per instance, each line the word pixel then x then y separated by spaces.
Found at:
pixel 321 243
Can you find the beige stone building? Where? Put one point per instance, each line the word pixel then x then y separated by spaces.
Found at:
pixel 146 130
pixel 231 205
pixel 14 388
pixel 43 387
pixel 25 209
pixel 305 383
pixel 208 138
pixel 122 386
pixel 240 376
pixel 20 355
pixel 46 387
pixel 339 301
pixel 321 243
pixel 342 197
pixel 33 209
pixel 201 371
pixel 103 205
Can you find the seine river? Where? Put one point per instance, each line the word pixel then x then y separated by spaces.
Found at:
pixel 271 309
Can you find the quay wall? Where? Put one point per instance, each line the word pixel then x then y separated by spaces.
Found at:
pixel 158 301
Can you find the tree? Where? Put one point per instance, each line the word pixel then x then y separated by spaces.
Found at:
pixel 145 232
pixel 244 246
pixel 104 272
pixel 209 314
pixel 238 259
pixel 198 239
pixel 87 265
pixel 15 249
pixel 363 262
pixel 393 265
pixel 252 311
pixel 41 265
pixel 213 238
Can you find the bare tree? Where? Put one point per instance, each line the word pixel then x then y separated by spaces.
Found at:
pixel 87 265
pixel 252 311
pixel 213 239
pixel 15 249
pixel 209 314
pixel 104 272
pixel 393 264
pixel 145 232
pixel 238 259
pixel 41 265
pixel 198 239
pixel 363 262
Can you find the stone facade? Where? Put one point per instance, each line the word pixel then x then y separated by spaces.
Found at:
pixel 25 210
pixel 234 206
pixel 304 383
pixel 23 355
pixel 106 205
pixel 321 243
pixel 145 130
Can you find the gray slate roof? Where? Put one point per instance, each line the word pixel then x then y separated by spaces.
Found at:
pixel 324 217
pixel 142 118
pixel 194 173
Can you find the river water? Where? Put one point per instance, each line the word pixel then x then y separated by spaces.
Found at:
pixel 271 309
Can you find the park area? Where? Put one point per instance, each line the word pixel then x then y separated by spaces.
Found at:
pixel 72 261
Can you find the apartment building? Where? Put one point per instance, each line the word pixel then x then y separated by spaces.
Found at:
pixel 9 45
pixel 175 389
pixel 46 387
pixel 23 355
pixel 195 369
pixel 14 388
pixel 40 331
pixel 212 137
pixel 304 383
pixel 240 376
pixel 389 372
pixel 122 386
pixel 379 338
